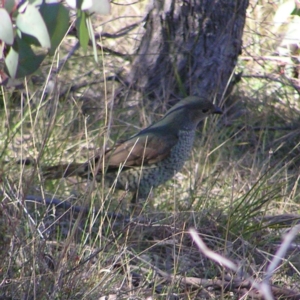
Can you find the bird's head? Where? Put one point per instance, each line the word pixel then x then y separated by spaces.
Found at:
pixel 190 111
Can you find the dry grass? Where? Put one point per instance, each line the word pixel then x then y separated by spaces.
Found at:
pixel 240 189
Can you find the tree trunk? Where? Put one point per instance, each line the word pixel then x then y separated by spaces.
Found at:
pixel 189 48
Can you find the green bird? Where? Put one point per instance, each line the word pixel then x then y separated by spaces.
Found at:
pixel 150 157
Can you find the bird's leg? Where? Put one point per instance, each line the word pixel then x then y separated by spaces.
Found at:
pixel 134 199
pixel 139 201
pixel 134 205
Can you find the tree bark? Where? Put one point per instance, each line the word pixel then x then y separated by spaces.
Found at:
pixel 189 48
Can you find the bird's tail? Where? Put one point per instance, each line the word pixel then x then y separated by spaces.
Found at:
pixel 66 170
pixel 83 170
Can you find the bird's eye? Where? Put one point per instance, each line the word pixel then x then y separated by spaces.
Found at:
pixel 205 110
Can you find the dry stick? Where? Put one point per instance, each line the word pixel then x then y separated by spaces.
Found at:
pixel 279 255
pixel 119 34
pixel 221 260
pixel 260 128
pixel 264 287
pixel 288 82
pixel 60 204
pixel 66 205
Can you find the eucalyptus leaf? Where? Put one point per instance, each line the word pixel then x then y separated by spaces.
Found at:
pixel 6 27
pixel 11 62
pixel 32 23
pixel 29 62
pixel 101 7
pixel 56 17
pixel 82 29
pixel 9 5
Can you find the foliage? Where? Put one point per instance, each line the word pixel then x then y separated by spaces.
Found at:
pixel 40 27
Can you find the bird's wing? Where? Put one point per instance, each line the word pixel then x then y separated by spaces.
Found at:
pixel 140 150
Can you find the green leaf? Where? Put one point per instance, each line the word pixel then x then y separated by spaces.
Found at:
pixel 56 18
pixel 92 36
pixel 6 32
pixel 92 6
pixel 21 60
pixel 283 12
pixel 31 22
pixel 296 11
pixel 82 29
pixel 75 4
pixel 9 5
pixel 29 62
pixel 36 3
pixel 101 7
pixel 11 62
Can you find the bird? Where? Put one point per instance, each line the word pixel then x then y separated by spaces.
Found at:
pixel 148 158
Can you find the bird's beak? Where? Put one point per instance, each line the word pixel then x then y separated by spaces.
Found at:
pixel 217 110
